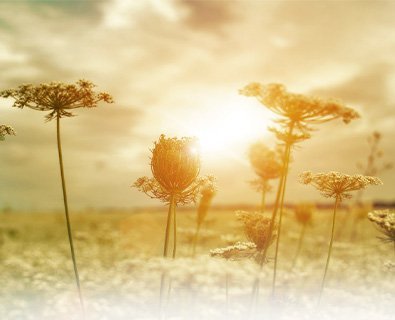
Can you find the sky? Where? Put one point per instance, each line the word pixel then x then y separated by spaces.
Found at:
pixel 175 67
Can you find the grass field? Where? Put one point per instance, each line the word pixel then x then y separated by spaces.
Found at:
pixel 118 255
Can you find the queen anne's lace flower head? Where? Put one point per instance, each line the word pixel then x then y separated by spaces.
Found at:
pixel 297 108
pixel 6 130
pixel 56 97
pixel 337 185
pixel 237 251
pixel 304 213
pixel 175 165
pixel 256 228
pixel 297 111
pixel 265 162
pixel 385 221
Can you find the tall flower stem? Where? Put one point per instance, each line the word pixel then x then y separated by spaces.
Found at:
pixel 167 233
pixel 300 241
pixel 174 232
pixel 285 174
pixel 66 210
pixel 263 198
pixel 262 259
pixel 330 249
pixel 255 288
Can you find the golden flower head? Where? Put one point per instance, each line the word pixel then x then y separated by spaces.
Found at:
pixel 256 228
pixel 296 109
pixel 385 221
pixel 265 162
pixel 304 213
pixel 56 97
pixel 237 251
pixel 337 185
pixel 175 165
pixel 6 130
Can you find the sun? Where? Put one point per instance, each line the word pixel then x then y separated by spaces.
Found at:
pixel 227 125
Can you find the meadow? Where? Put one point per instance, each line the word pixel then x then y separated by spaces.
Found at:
pixel 120 265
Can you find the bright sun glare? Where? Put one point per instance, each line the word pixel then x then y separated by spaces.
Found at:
pixel 227 126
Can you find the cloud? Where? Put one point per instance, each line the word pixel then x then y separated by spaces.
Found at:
pixel 159 57
pixel 209 16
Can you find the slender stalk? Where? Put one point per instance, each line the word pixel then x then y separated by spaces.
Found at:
pixel 174 232
pixel 167 233
pixel 285 173
pixel 279 198
pixel 301 237
pixel 255 288
pixel 263 199
pixel 330 249
pixel 66 210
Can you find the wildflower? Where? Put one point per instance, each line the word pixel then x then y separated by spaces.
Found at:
pixel 265 162
pixel 336 185
pixel 298 109
pixel 385 221
pixel 298 114
pixel 256 228
pixel 207 193
pixel 175 165
pixel 267 166
pixel 59 98
pixel 237 251
pixel 6 130
pixel 56 97
pixel 373 165
pixel 304 213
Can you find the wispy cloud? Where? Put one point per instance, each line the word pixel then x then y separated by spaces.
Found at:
pixel 159 57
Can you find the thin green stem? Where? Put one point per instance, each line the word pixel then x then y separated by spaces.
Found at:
pixel 167 233
pixel 66 210
pixel 300 241
pixel 330 249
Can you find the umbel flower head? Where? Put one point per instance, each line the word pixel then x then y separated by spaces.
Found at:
pixel 6 130
pixel 256 228
pixel 385 221
pixel 207 193
pixel 175 165
pixel 296 109
pixel 239 250
pixel 56 97
pixel 337 185
pixel 304 213
pixel 265 162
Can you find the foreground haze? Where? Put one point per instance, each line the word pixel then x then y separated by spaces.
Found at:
pixel 121 271
pixel 175 67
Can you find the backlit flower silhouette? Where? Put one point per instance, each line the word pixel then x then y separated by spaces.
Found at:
pixel 59 99
pixel 338 186
pixel 297 116
pixel 175 165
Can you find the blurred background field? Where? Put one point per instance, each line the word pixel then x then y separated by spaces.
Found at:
pixel 120 266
